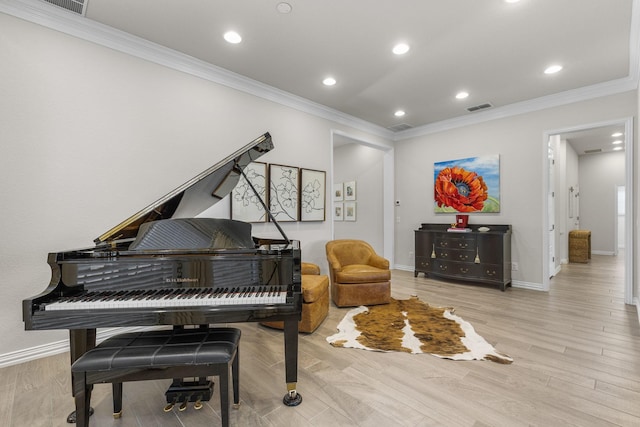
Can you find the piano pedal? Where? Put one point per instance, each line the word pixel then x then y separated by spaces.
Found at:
pixel 188 391
pixel 198 403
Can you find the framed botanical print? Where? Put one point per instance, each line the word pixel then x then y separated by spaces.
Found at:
pixel 283 192
pixel 312 195
pixel 245 205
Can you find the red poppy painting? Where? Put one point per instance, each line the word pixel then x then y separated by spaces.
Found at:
pixel 467 185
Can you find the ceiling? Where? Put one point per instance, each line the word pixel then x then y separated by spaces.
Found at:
pixel 596 140
pixel 492 49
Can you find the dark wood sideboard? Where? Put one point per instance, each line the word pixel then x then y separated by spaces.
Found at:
pixel 476 256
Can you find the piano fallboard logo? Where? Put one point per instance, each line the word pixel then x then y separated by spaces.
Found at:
pixel 181 280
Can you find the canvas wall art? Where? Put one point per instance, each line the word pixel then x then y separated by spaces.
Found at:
pixel 283 192
pixel 467 185
pixel 312 195
pixel 245 205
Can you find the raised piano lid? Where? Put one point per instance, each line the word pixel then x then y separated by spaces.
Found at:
pixel 196 195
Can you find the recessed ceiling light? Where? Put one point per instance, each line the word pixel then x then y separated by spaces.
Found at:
pixel 511 1
pixel 329 81
pixel 399 113
pixel 462 95
pixel 552 69
pixel 232 37
pixel 616 142
pixel 617 134
pixel 617 148
pixel 401 48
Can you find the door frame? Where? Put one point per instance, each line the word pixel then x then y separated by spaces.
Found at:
pixel 629 201
pixel 388 234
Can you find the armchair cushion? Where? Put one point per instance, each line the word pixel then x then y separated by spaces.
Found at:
pixel 359 273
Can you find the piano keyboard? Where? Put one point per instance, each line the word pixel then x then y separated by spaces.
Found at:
pixel 158 298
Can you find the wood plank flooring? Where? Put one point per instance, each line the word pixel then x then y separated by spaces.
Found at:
pixel 576 351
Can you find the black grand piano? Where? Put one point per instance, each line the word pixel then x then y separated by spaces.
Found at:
pixel 166 266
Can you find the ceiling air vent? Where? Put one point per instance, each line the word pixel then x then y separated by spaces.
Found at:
pixel 479 107
pixel 76 6
pixel 595 150
pixel 400 127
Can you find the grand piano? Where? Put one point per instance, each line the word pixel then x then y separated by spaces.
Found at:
pixel 166 266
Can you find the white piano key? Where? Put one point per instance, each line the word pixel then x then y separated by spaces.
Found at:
pixel 237 297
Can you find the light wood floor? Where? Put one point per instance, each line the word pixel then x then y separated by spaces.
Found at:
pixel 576 351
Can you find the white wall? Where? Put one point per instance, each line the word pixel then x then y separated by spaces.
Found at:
pixel 364 165
pixel 91 135
pixel 519 142
pixel 600 176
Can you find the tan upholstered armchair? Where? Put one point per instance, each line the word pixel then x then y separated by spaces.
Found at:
pixel 315 299
pixel 359 276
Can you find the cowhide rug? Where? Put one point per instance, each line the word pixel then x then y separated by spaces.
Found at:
pixel 413 326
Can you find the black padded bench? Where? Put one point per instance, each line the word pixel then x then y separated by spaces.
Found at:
pixel 152 355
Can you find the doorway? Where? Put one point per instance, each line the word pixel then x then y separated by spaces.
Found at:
pixel 551 215
pixel 340 139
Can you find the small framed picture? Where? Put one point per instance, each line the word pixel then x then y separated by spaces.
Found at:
pixel 338 211
pixel 338 194
pixel 350 211
pixel 350 190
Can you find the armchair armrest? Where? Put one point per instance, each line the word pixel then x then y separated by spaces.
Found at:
pixel 309 268
pixel 334 264
pixel 379 262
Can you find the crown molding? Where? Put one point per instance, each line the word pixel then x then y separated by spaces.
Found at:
pixel 58 19
pixel 53 17
pixel 558 99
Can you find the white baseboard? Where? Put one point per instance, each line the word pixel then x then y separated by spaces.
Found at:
pixel 514 283
pixel 557 270
pixel 53 348
pixel 608 253
pixel 403 267
pixel 527 285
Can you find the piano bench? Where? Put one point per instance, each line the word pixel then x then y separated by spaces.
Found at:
pixel 152 355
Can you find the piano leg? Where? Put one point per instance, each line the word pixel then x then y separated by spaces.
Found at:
pixel 80 341
pixel 292 398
